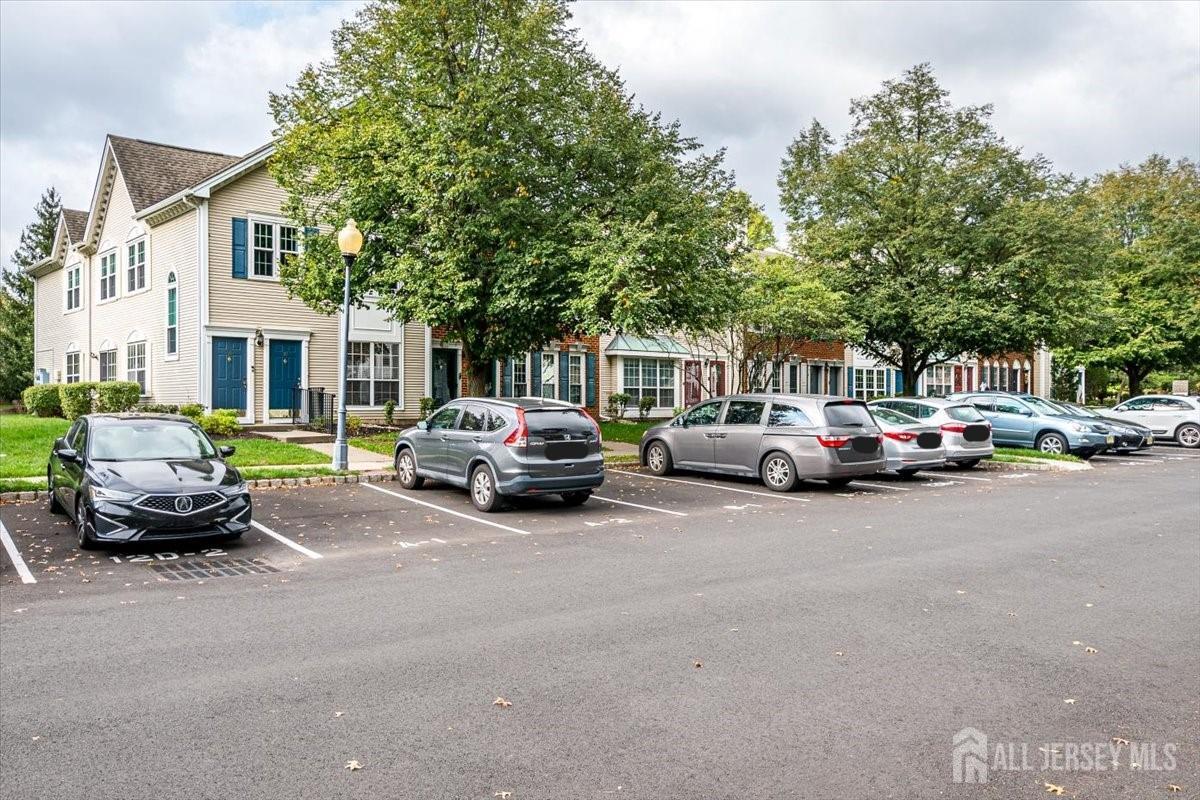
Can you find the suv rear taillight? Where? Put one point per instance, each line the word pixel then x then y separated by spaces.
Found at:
pixel 833 441
pixel 520 435
pixel 954 427
pixel 900 436
pixel 595 424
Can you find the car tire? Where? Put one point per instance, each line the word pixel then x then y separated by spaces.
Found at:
pixel 658 457
pixel 778 472
pixel 970 463
pixel 55 506
pixel 576 498
pixel 406 470
pixel 838 483
pixel 82 535
pixel 1188 436
pixel 482 489
pixel 1052 443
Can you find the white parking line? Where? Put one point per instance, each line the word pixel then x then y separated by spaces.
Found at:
pixel 15 555
pixel 297 547
pixel 778 495
pixel 882 486
pixel 956 477
pixel 638 505
pixel 444 510
pixel 1130 459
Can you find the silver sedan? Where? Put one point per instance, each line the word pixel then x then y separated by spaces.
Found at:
pixel 966 434
pixel 909 444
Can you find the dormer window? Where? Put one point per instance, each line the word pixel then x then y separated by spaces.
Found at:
pixel 135 271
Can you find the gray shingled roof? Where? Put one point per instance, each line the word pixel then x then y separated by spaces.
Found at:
pixel 154 172
pixel 76 221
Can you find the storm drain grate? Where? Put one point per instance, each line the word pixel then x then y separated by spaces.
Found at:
pixel 213 568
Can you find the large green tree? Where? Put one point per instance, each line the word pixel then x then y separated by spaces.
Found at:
pixel 1149 316
pixel 509 188
pixel 16 296
pixel 943 237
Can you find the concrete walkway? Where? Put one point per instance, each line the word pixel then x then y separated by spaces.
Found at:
pixel 359 459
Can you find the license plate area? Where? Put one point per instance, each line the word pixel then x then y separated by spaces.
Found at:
pixel 929 440
pixel 865 444
pixel 977 433
pixel 566 451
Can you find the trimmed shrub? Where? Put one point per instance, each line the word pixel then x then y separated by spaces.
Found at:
pixel 158 408
pixel 353 425
pixel 116 396
pixel 389 412
pixel 77 398
pixel 426 407
pixel 222 422
pixel 43 400
pixel 618 402
pixel 193 410
pixel 644 405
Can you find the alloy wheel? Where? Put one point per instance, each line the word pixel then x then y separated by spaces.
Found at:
pixel 481 487
pixel 1052 444
pixel 654 459
pixel 778 472
pixel 406 468
pixel 1189 436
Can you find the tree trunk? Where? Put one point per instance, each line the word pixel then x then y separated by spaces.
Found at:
pixel 476 368
pixel 1134 374
pixel 910 370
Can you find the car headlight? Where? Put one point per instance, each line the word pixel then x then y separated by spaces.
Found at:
pixel 111 495
pixel 1078 427
pixel 238 488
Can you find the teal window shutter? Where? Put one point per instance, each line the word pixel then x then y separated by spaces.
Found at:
pixel 239 247
pixel 564 375
pixel 590 395
pixel 508 370
pixel 535 373
pixel 849 381
pixel 899 382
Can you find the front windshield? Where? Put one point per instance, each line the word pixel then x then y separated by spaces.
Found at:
pixel 149 441
pixel 1046 407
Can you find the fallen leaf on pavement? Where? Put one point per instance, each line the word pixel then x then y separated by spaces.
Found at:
pixel 500 701
pixel 838 653
pixel 1091 651
pixel 1069 701
pixel 503 795
pixel 697 665
pixel 1052 789
pixel 353 765
pixel 1118 741
pixel 1171 787
pixel 338 713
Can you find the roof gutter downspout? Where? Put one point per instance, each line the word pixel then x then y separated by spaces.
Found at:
pixel 201 207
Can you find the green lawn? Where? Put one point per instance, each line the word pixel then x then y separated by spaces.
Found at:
pixel 25 443
pixel 22 485
pixel 382 443
pixel 267 452
pixel 628 432
pixel 1023 452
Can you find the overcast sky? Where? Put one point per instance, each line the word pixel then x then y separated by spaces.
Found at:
pixel 1088 85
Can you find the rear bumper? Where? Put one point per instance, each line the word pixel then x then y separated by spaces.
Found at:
pixel 962 453
pixel 528 484
pixel 114 522
pixel 832 468
pixel 897 463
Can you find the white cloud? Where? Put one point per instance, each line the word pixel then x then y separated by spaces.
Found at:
pixel 1088 85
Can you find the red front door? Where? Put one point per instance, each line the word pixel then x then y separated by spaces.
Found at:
pixel 718 368
pixel 691 382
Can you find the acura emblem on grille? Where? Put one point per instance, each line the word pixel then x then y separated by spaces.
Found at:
pixel 183 504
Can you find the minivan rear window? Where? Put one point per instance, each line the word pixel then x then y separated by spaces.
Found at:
pixel 964 413
pixel 847 415
pixel 568 420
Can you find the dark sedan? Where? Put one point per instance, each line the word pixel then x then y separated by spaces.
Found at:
pixel 138 477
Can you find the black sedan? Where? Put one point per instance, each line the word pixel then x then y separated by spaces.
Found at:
pixel 138 477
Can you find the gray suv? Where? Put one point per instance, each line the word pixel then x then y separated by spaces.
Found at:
pixel 779 438
pixel 503 447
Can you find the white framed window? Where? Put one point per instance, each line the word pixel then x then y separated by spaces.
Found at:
pixel 939 380
pixel 172 316
pixel 870 382
pixel 372 373
pixel 135 270
pixel 108 365
pixel 135 364
pixel 72 370
pixel 649 377
pixel 550 375
pixel 575 378
pixel 108 276
pixel 74 299
pixel 271 244
pixel 520 377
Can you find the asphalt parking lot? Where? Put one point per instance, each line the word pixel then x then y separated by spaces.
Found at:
pixel 678 637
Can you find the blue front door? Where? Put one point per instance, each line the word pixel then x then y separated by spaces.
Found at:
pixel 284 373
pixel 229 373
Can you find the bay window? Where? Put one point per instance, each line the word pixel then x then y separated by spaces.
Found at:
pixel 649 377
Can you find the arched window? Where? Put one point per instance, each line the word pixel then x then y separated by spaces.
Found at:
pixel 172 316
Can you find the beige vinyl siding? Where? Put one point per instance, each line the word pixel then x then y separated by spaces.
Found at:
pixel 174 247
pixel 606 371
pixel 414 370
pixel 54 329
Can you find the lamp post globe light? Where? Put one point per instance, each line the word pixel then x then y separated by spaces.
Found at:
pixel 350 241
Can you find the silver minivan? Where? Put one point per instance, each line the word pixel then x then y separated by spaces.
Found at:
pixel 497 448
pixel 779 438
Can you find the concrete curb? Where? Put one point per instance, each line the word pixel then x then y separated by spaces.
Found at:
pixel 1035 465
pixel 260 483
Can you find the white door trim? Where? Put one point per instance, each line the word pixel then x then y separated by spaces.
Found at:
pixel 247 417
pixel 283 336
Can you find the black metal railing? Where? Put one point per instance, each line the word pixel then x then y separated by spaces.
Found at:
pixel 314 408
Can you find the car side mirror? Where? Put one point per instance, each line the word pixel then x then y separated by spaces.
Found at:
pixel 422 425
pixel 67 454
pixel 1025 412
pixel 226 451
